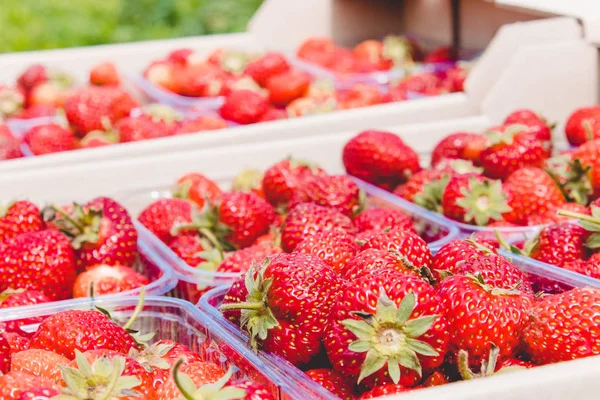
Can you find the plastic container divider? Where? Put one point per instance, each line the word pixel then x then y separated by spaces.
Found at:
pixel 179 320
pixel 543 278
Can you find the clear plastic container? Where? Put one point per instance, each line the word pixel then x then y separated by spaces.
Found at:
pixel 194 282
pixel 543 278
pixel 180 321
pixel 18 128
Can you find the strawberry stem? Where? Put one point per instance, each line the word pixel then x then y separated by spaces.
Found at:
pixel 582 217
pixel 243 306
pixel 137 311
pixel 68 217
pixel 183 391
pixel 108 393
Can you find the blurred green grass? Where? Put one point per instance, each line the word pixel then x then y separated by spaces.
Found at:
pixel 48 24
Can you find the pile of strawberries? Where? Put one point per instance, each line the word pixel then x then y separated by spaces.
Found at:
pixel 59 253
pixel 82 354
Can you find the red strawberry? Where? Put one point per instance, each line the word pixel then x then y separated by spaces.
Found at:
pixel 283 178
pixel 5 358
pixel 550 336
pixel 287 87
pixel 339 192
pixel 532 120
pixel 551 215
pixel 314 48
pixel 167 351
pixel 583 125
pixel 480 314
pixel 42 363
pixel 200 373
pixel 378 219
pixel 374 261
pixel 242 260
pixel 333 381
pixel 244 107
pixel 252 390
pixel 511 147
pixel 37 110
pixel 532 192
pixel 452 254
pixel 162 216
pixel 559 244
pixel 41 261
pixel 415 328
pixel 19 298
pixel 385 390
pixel 273 114
pixel 105 74
pixel 452 146
pixel 306 219
pixel 67 331
pixel 438 378
pixel 156 121
pixel 583 172
pixel 52 93
pixel 381 158
pixel 407 243
pixel 161 74
pixel 50 138
pixel 360 95
pixel 293 326
pixel 425 188
pixel 266 67
pixel 101 232
pixel 106 279
pixel 200 124
pixel 374 52
pixel 39 394
pixel 334 248
pixel 474 199
pixel 198 188
pixel 199 80
pixel 9 146
pixel 33 76
pixel 19 217
pixel 14 384
pixel 17 342
pixel 89 109
pixel 189 246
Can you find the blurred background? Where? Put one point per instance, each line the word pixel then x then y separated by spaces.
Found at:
pixel 48 24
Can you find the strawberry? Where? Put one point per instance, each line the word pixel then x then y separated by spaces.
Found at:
pixel 91 108
pixel 198 188
pixel 550 216
pixel 244 107
pixel 452 146
pixel 184 56
pixel 531 119
pixel 438 378
pixel 550 336
pixel 425 188
pixel 306 219
pixel 360 95
pixel 41 261
pixel 82 330
pixel 314 48
pixel 105 74
pixel 381 158
pixel 339 192
pixel 16 342
pixel 162 216
pixel 450 255
pixel 287 86
pixel 407 243
pixel 5 354
pixel 583 172
pixel 480 314
pixel 200 373
pixel 333 381
pixel 334 248
pixel 415 329
pixel 33 76
pixel 281 180
pixel 101 232
pixel 583 125
pixel 49 138
pixel 105 279
pixel 164 353
pixel 474 199
pixel 99 139
pixel 154 121
pixel 199 80
pixel 532 192
pixel 10 147
pixel 373 261
pixel 200 124
pixel 243 259
pixel 425 83
pixel 16 383
pixel 53 93
pixel 161 74
pixel 374 52
pixel 559 244
pixel 39 394
pixel 19 298
pixel 273 114
pixel 249 180
pixel 252 390
pixel 42 363
pixel 19 217
pixel 274 316
pixel 305 106
pixel 385 390
pixel 12 100
pixel 266 67
pixel 36 111
pixel 190 247
pixel 378 219
pixel 511 147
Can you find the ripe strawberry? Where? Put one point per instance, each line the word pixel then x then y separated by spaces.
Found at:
pixel 41 261
pixel 293 326
pixel 266 67
pixel 200 373
pixel 164 353
pixel 583 172
pixel 438 378
pixel 90 108
pixel 480 314
pixel 453 253
pixel 339 192
pixel 273 114
pixel 10 147
pixel 106 279
pixel 281 180
pixel 415 328
pixel 190 247
pixel 360 95
pixel 19 217
pixel 105 74
pixel 52 93
pixel 385 390
pixel 16 342
pixel 5 354
pixel 426 83
pixel 39 394
pixel 36 111
pixel 32 76
pixel 474 199
pixel 452 146
pixel 19 298
pixel 551 215
pixel 334 248
pixel 252 390
pixel 314 48
pixel 511 147
pixel 198 188
pixel 425 188
pixel 583 125
pixel 49 138
pixel 161 74
pixel 287 86
pixel 333 381
pixel 244 107
pixel 155 121
pixel 14 384
pixel 559 244
pixel 200 124
pixel 374 261
pixel 550 336
pixel 162 216
pixel 407 243
pixel 306 219
pixel 243 259
pixel 381 158
pixel 82 330
pixel 532 192
pixel 42 363
pixel 199 80
pixel 532 120
pixel 101 232
pixel 378 219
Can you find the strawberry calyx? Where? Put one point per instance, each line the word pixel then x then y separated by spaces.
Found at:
pixel 152 356
pixel 247 180
pixel 590 223
pixel 209 226
pixel 235 61
pixel 464 166
pixel 529 245
pixel 297 162
pixel 9 292
pixel 505 136
pixel 101 380
pixel 488 367
pixel 398 50
pixel 495 291
pixel 431 195
pixel 162 113
pixel 11 102
pixel 483 201
pixel 81 226
pixel 211 391
pixel 390 337
pixel 571 177
pixel 256 315
pixel 5 208
pixel 423 271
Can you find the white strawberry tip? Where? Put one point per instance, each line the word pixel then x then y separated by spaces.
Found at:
pixel 390 337
pixel 211 391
